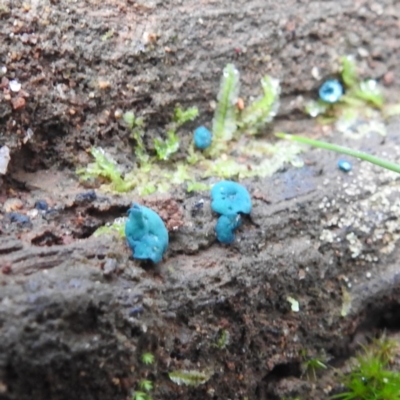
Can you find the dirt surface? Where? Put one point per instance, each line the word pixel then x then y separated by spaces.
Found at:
pixel 77 313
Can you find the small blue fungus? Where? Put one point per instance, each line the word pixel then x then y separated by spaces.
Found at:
pixel 41 205
pixel 134 311
pixel 331 91
pixel 202 137
pixel 226 227
pixel 18 218
pixel 84 197
pixel 146 234
pixel 344 165
pixel 230 198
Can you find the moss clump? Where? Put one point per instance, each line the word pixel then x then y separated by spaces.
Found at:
pixel 234 153
pixel 372 378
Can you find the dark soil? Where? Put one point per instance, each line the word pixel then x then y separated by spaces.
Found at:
pixel 77 313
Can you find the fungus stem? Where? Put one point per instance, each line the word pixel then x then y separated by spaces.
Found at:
pixel 343 150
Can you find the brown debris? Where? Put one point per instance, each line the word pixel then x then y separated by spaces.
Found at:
pixel 169 210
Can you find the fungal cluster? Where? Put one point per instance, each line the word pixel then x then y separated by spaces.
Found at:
pixel 147 235
pixel 230 200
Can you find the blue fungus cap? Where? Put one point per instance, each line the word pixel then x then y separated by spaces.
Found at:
pixel 202 137
pixel 230 198
pixel 344 165
pixel 41 205
pixel 146 234
pixel 226 226
pixel 331 91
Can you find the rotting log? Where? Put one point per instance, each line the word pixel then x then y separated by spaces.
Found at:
pixel 76 318
pixel 77 65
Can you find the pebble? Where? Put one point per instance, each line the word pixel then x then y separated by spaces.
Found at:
pixel 13 204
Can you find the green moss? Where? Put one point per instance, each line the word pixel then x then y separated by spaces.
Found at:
pixel 224 123
pixel 372 377
pixel 166 148
pixel 146 385
pixel 263 110
pixel 136 126
pixel 349 71
pixel 117 227
pixel 147 358
pixel 311 366
pixel 141 396
pixel 223 339
pixel 233 154
pixel 105 167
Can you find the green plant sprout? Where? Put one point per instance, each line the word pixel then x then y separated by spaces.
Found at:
pixel 139 395
pixel 146 385
pixel 312 365
pixel 262 110
pixel 372 378
pixel 233 154
pixel 343 150
pixel 222 339
pixel 228 122
pixel 136 126
pixel 118 227
pixel 224 122
pixel 106 168
pixel 166 148
pixel 147 358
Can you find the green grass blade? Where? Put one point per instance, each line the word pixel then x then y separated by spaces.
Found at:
pixel 343 150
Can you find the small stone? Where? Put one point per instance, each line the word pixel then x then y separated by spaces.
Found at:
pixel 14 86
pixel 4 159
pixel 109 266
pixel 388 78
pixel 18 103
pixel 315 73
pixel 118 113
pixel 13 205
pixel 363 53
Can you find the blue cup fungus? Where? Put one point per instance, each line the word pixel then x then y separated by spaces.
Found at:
pixel 146 234
pixel 229 197
pixel 331 91
pixel 202 137
pixel 230 200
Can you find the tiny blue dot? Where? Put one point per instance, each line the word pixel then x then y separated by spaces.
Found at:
pixel 344 165
pixel 202 137
pixel 331 91
pixel 41 205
